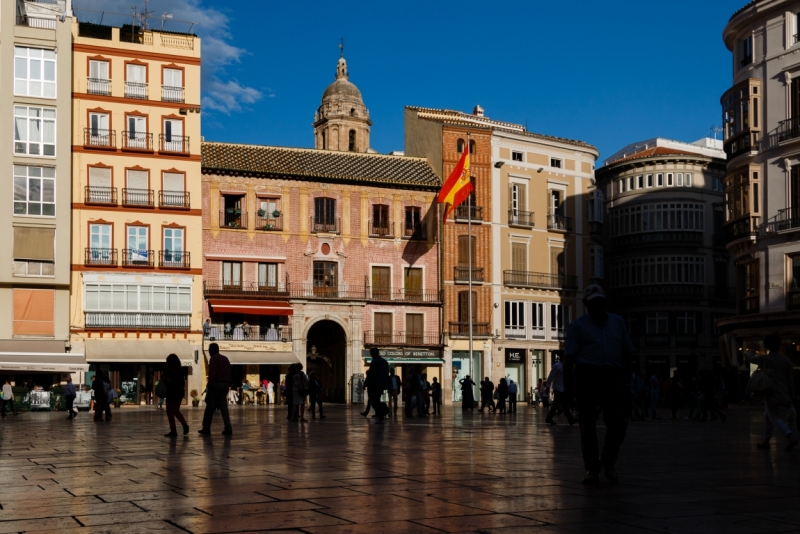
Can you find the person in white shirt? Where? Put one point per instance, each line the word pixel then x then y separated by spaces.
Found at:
pixel 8 399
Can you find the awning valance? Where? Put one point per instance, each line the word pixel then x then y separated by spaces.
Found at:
pixel 250 307
pixel 260 357
pixel 56 362
pixel 137 350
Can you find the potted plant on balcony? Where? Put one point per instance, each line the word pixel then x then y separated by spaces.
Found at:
pixel 237 211
pixel 262 213
pixel 276 213
pixel 195 398
pixel 268 227
pixel 229 210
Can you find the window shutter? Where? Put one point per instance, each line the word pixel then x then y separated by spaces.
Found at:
pixel 34 243
pixel 511 197
pixel 99 177
pixel 414 324
pixel 34 312
pixel 521 197
pixel 518 257
pixel 173 182
pixel 137 180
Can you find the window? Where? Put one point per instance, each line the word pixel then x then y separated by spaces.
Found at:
pixel 639 182
pixel 669 179
pixel 381 282
pixel 325 215
pixel 537 320
pixel 351 141
pixel 740 189
pixel 716 184
pixel 231 274
pixel 687 217
pixel 34 131
pixel 412 283
pixel 517 198
pixel 471 146
pixel 173 242
pixel 380 220
pixel 519 257
pixel 515 319
pixel 173 136
pixel 679 179
pixel 267 275
pixel 137 242
pixel 464 309
pixel 559 320
pixel 413 227
pixel 649 180
pixel 137 190
pixel 516 156
pixel 657 323
pixel 34 251
pixel 100 190
pixel 173 78
pixel 460 146
pixel 100 243
pixel 138 298
pixel 630 183
pixel 659 180
pixel 688 179
pixel 34 191
pixel 34 72
pixel 596 262
pixel 685 323
pixel 747 292
pixel 647 270
pixel 466 244
pixel 384 328
pixel 135 81
pixel 136 136
pixel 173 189
pixel 556 206
pixel 622 185
pixel 326 278
pixel 555 162
pixel 98 83
pixel 415 328
pixel 746 51
pixel 34 312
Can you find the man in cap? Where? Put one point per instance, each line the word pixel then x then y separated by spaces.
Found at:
pixel 597 345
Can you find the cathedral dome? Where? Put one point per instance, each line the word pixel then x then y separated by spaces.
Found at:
pixel 342 120
pixel 342 86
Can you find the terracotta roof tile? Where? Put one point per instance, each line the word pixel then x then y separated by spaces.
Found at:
pixel 655 151
pixel 320 165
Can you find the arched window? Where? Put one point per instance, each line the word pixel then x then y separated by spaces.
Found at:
pixel 323 141
pixel 471 146
pixel 460 146
pixel 352 141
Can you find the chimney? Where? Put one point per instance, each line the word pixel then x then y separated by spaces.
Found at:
pixel 477 111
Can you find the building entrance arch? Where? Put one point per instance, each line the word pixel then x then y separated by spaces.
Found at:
pixel 326 354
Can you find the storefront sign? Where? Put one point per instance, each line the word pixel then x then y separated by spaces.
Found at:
pixel 245 346
pixel 515 355
pixel 405 353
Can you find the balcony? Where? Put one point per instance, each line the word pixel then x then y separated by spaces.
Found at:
pixel 461 329
pixel 100 256
pixel 232 218
pixel 743 143
pixel 401 339
pixel 172 94
pixel 106 196
pixel 174 259
pixel 516 332
pixel 33 21
pixel 383 230
pixel 786 219
pixel 557 334
pixel 137 198
pixel 522 219
pixel 468 213
pixel 175 144
pixel 325 226
pixel 743 228
pixel 269 222
pixel 244 289
pixel 177 200
pixel 415 232
pixel 311 291
pixel 97 138
pixel 688 291
pixel 137 321
pixel 559 223
pixel 136 90
pixel 788 129
pixel 98 86
pixel 461 274
pixel 418 296
pixel 691 238
pixel 137 258
pixel 539 280
pixel 137 141
pixel 94 31
pixel 247 332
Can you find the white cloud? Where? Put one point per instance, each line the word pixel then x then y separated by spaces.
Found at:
pixel 212 25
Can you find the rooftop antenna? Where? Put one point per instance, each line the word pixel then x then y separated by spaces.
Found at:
pixel 145 15
pixel 341 46
pixel 164 17
pixel 716 130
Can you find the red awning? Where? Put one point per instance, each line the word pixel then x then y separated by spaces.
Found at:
pixel 250 307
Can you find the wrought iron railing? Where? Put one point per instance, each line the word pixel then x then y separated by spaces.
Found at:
pixel 136 90
pixel 539 280
pixel 178 144
pixel 786 219
pixel 36 22
pixel 244 289
pixel 247 332
pixel 421 296
pixel 461 329
pixel 100 195
pixel 415 339
pixel 99 138
pixel 746 227
pixel 461 273
pixel 325 226
pixel 137 140
pixel 269 223
pixel 137 197
pixel 172 94
pixel 312 291
pixel 137 258
pixel 466 213
pixel 98 86
pixel 137 320
pixel 743 143
pixel 232 218
pixel 100 256
pixel 521 218
pixel 381 229
pixel 173 199
pixel 559 222
pixel 414 232
pixel 174 259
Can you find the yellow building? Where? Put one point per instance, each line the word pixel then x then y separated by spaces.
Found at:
pixel 136 204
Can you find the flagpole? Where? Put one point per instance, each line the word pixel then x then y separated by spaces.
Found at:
pixel 469 266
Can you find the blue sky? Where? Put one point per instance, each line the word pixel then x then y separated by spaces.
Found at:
pixel 608 73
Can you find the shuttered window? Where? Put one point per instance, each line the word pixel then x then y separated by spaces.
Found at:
pixel 519 257
pixel 34 243
pixel 34 312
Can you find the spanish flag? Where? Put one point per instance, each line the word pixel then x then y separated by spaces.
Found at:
pixel 458 186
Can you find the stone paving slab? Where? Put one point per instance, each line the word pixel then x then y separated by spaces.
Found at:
pixel 456 473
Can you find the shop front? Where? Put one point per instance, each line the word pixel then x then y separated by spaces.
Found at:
pixel 515 370
pixel 403 360
pixel 43 363
pixel 463 366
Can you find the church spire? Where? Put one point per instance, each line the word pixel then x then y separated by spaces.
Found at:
pixel 341 67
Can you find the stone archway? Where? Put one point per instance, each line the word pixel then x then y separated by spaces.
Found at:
pixel 326 350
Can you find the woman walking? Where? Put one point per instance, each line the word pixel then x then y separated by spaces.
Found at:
pixel 299 393
pixel 173 376
pixel 502 395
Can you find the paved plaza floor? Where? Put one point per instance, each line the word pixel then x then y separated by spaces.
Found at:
pixel 457 473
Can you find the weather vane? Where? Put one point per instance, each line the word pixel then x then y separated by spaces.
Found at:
pixel 341 46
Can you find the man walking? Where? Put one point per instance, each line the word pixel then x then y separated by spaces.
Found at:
pixel 512 397
pixel 487 390
pixel 376 383
pixel 69 395
pixel 394 390
pixel 8 398
pixel 219 380
pixel 597 344
pixel 556 381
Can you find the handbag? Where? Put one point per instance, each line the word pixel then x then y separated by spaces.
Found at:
pixel 161 389
pixel 761 382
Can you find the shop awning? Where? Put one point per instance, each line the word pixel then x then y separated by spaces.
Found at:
pixel 137 350
pixel 55 362
pixel 250 307
pixel 259 357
